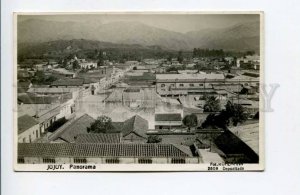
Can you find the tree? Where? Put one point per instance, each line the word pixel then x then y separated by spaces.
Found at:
pixel 233 114
pixel 169 58
pixel 190 121
pixel 102 125
pixel 75 65
pixel 180 57
pixel 250 53
pixel 154 139
pixel 50 79
pixel 41 78
pixel 60 61
pixel 212 104
pixel 236 112
pixel 172 68
pixel 100 59
pixel 64 63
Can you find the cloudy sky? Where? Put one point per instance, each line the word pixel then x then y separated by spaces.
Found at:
pixel 175 22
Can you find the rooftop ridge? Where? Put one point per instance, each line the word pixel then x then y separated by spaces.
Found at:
pixel 99 150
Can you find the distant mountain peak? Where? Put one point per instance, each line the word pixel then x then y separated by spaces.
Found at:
pixel 243 36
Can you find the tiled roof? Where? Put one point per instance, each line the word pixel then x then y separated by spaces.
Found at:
pixel 68 82
pixel 41 111
pixel 184 148
pixel 90 80
pixel 230 87
pixel 63 71
pixel 23 84
pixel 64 97
pixel 36 99
pixel 23 74
pixel 25 122
pixel 98 138
pixel 98 150
pixel 97 75
pixel 188 76
pixel 135 124
pixel 117 126
pixel 79 126
pixel 32 99
pixel 148 96
pixel 168 117
pixel 51 90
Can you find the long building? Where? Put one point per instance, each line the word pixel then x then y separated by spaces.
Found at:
pixel 105 153
pixel 183 84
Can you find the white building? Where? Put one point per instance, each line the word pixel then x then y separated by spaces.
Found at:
pixel 28 129
pixel 88 65
pixel 181 83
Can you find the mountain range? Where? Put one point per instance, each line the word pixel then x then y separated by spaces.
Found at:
pixel 240 37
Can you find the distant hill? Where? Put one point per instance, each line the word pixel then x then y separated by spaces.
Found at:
pixel 239 37
pixel 62 48
pixel 117 32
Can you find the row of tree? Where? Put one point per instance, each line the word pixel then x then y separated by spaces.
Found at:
pixel 41 78
pixel 198 52
pixel 233 114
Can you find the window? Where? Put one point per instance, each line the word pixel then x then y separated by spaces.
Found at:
pixel 80 160
pixel 178 161
pixel 191 85
pixel 112 161
pixel 29 138
pixel 172 85
pixel 21 160
pixel 181 85
pixel 37 134
pixel 48 160
pixel 24 140
pixel 145 161
pixel 201 85
pixel 162 85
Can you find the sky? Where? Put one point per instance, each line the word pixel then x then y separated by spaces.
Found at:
pixel 175 22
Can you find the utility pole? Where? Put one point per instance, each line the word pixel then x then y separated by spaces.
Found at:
pixel 239 92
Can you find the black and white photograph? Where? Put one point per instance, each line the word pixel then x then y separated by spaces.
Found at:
pixel 138 91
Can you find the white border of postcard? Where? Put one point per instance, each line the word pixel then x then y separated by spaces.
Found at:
pixel 144 167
